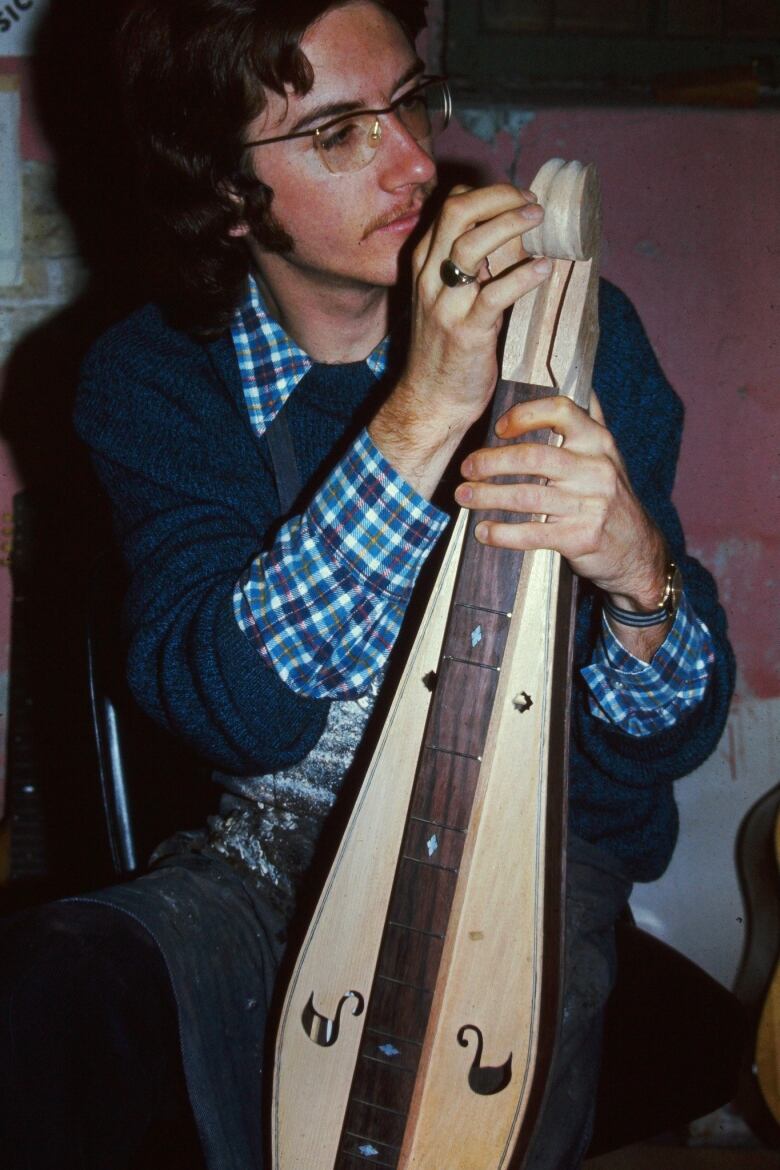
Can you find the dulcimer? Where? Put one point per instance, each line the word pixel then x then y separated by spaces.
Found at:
pixel 418 1023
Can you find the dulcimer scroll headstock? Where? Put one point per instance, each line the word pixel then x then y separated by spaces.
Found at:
pixel 553 331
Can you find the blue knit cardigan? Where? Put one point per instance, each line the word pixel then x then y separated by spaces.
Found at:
pixel 194 499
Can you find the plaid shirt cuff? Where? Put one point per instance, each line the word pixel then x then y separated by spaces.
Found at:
pixel 325 604
pixel 644 697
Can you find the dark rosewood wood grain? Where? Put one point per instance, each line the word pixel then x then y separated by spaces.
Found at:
pixel 465 687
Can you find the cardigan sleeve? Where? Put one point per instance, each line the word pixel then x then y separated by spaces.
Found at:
pixel 192 503
pixel 325 604
pixel 646 416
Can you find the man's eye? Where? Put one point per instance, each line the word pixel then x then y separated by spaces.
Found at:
pixel 337 136
pixel 411 101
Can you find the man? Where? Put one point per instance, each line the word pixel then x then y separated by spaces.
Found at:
pixel 271 440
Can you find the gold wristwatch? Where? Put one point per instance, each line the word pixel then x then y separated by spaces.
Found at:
pixel 673 587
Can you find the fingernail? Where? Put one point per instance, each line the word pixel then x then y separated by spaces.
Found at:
pixel 481 533
pixel 467 468
pixel 529 195
pixel 501 426
pixel 532 211
pixel 543 266
pixel 463 493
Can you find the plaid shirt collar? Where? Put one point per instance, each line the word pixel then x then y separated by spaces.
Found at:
pixel 270 362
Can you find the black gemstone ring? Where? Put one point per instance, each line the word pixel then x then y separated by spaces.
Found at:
pixel 452 276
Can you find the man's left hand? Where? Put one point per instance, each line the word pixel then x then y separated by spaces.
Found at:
pixel 593 517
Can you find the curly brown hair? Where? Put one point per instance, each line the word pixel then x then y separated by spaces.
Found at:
pixel 194 75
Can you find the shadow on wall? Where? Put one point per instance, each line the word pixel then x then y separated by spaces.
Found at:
pixel 77 106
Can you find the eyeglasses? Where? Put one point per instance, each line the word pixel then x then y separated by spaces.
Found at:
pixel 349 142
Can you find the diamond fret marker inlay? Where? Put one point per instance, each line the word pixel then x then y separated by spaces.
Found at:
pixel 389 1050
pixel 368 1151
pixel 432 844
pixel 476 636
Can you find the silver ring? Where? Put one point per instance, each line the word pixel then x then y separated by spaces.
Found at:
pixel 452 276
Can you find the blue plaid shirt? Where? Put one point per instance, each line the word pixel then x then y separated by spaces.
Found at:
pixel 324 605
pixel 642 697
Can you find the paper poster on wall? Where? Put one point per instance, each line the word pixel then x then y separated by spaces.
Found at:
pixel 10 184
pixel 18 22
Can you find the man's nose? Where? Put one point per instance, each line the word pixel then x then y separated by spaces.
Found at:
pixel 402 159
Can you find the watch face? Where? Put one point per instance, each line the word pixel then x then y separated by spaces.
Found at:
pixel 674 591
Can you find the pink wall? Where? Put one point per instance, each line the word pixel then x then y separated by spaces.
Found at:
pixel 691 233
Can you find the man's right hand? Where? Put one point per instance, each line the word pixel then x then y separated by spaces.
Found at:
pixel 452 365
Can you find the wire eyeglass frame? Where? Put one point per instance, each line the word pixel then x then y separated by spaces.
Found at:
pixel 430 100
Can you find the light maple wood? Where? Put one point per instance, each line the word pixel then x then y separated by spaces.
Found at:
pixel 540 348
pixel 339 955
pixel 489 974
pixel 495 942
pixel 490 969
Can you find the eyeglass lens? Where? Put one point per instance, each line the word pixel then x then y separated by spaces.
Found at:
pixel 350 144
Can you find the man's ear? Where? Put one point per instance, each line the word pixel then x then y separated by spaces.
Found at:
pixel 242 228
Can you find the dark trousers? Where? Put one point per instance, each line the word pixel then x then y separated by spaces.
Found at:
pixel 89 1050
pixel 89 1045
pixel 597 893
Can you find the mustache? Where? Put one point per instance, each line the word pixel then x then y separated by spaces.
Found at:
pixel 415 204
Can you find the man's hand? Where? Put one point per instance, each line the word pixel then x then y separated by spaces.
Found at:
pixel 594 519
pixel 452 365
